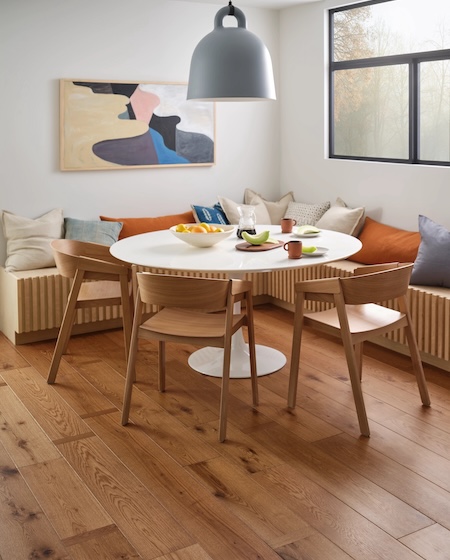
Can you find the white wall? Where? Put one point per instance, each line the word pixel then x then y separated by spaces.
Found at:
pixel 42 41
pixel 392 193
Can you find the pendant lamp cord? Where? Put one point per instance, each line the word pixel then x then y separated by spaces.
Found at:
pixel 230 8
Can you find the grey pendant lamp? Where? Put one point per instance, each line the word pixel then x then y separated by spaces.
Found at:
pixel 231 63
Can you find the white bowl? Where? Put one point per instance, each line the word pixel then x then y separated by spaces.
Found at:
pixel 203 239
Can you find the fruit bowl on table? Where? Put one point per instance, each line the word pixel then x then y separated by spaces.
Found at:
pixel 202 239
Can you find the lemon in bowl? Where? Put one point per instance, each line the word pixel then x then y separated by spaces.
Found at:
pixel 202 235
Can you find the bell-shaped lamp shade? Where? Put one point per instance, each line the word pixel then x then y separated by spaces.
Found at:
pixel 231 64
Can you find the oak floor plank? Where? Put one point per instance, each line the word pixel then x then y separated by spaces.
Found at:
pixel 105 544
pixel 143 520
pixel 432 543
pixel 22 437
pixel 25 532
pixel 9 357
pixel 260 510
pixel 194 552
pixel 365 497
pixel 312 547
pixel 70 507
pixel 343 526
pixel 399 480
pixel 73 387
pixel 49 409
pixel 189 501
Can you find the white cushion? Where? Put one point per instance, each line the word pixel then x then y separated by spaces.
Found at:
pixel 276 209
pixel 28 241
pixel 231 211
pixel 341 218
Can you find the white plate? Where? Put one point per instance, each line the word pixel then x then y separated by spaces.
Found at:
pixel 305 234
pixel 317 253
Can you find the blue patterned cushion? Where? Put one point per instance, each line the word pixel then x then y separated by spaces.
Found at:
pixel 209 214
pixel 94 231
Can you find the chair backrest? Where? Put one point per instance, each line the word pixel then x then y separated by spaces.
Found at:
pixel 70 255
pixel 206 294
pixel 376 287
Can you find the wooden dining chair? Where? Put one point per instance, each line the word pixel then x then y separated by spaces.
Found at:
pixel 358 315
pixel 198 311
pixel 99 279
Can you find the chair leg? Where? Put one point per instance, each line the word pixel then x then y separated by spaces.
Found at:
pixel 223 413
pixel 127 312
pixel 355 379
pixel 131 375
pixel 252 351
pixel 417 366
pixel 295 352
pixel 65 329
pixel 359 357
pixel 161 366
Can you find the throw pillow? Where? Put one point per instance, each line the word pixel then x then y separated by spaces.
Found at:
pixel 432 265
pixel 28 241
pixel 277 209
pixel 209 214
pixel 134 226
pixel 306 214
pixel 231 210
pixel 341 218
pixel 382 244
pixel 94 231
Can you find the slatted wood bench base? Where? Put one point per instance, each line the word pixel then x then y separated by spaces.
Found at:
pixel 33 302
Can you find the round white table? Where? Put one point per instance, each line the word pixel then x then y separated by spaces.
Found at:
pixel 162 250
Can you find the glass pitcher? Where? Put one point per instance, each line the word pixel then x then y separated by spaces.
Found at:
pixel 247 219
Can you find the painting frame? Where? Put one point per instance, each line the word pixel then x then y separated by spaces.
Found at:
pixel 109 124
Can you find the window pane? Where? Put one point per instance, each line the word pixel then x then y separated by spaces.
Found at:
pixel 435 111
pixel 393 27
pixel 371 112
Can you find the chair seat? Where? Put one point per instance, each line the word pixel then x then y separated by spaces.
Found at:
pixel 363 318
pixel 188 323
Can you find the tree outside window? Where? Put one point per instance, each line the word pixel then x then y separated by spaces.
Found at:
pixel 390 81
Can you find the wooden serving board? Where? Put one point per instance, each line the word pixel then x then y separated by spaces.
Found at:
pixel 264 247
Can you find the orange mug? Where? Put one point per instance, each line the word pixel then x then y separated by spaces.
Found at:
pixel 287 224
pixel 294 249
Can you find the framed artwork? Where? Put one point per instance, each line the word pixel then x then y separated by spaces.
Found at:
pixel 125 125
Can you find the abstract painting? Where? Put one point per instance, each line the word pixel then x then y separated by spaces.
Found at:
pixel 123 125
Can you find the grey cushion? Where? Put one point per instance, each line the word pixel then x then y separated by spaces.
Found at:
pixel 432 265
pixel 94 231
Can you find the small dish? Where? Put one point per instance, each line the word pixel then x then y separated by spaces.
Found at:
pixel 317 253
pixel 305 235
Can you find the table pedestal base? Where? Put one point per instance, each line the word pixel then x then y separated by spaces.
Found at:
pixel 209 361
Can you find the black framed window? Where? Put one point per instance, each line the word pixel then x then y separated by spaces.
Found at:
pixel 389 76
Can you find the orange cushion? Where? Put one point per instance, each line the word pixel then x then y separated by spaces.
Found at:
pixel 382 243
pixel 134 226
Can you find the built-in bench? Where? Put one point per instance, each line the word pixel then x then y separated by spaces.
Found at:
pixel 33 302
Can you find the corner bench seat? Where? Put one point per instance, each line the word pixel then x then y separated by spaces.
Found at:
pixel 33 302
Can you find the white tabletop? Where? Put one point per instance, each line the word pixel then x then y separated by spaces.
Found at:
pixel 161 249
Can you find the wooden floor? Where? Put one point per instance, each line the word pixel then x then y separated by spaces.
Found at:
pixel 286 484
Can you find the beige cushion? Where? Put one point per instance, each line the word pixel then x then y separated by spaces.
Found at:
pixel 28 240
pixel 341 218
pixel 231 211
pixel 306 214
pixel 277 209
